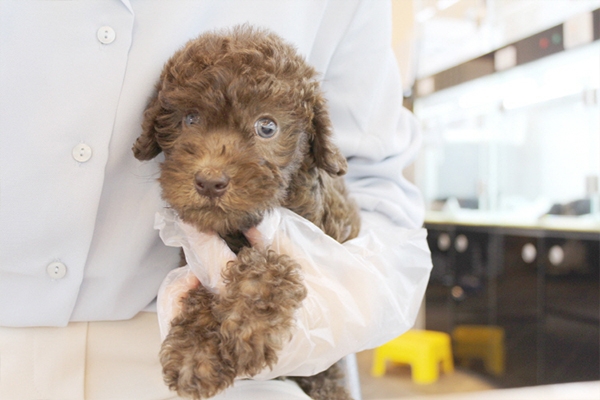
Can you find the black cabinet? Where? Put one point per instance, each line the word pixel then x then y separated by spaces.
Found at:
pixel 540 285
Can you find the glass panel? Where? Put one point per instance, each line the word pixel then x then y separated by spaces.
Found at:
pixel 518 141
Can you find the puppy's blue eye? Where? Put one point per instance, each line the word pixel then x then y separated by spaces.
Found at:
pixel 265 128
pixel 191 119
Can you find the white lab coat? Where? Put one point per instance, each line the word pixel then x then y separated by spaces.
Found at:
pixel 77 209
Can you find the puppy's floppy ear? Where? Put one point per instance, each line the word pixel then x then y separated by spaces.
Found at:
pixel 327 156
pixel 146 146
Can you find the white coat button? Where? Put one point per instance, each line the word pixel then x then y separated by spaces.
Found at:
pixel 56 270
pixel 106 35
pixel 82 152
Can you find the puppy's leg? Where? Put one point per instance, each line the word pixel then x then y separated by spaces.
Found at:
pixel 191 353
pixel 262 292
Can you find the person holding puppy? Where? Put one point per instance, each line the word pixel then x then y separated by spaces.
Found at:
pixel 80 260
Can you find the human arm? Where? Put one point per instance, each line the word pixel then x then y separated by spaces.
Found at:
pixel 368 290
pixel 379 277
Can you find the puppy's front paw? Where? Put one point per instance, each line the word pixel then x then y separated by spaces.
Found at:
pixel 191 353
pixel 263 291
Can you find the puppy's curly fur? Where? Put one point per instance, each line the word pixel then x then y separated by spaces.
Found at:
pixel 244 128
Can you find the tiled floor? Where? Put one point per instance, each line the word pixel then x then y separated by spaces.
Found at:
pixel 397 384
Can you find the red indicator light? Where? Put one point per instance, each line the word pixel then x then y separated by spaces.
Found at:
pixel 544 43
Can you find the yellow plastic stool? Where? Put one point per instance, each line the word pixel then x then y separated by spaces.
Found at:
pixel 423 350
pixel 485 342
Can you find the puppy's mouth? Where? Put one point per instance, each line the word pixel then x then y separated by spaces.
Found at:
pixel 213 215
pixel 226 206
pixel 216 195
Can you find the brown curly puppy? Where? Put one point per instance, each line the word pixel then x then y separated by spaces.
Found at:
pixel 244 128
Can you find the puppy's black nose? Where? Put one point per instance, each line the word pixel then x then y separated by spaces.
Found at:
pixel 211 185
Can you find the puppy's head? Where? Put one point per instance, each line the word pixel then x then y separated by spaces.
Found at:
pixel 236 113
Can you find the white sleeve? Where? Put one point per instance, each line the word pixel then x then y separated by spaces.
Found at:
pixel 372 292
pixel 378 136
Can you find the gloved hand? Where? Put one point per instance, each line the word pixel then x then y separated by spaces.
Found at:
pixel 172 290
pixel 206 253
pixel 361 294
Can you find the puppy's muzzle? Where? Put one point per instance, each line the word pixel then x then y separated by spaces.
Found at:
pixel 211 184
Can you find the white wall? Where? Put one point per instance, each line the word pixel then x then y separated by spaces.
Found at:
pixel 466 29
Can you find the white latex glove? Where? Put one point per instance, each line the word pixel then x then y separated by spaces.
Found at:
pixel 360 294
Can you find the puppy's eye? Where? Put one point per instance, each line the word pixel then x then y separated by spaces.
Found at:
pixel 191 119
pixel 265 128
